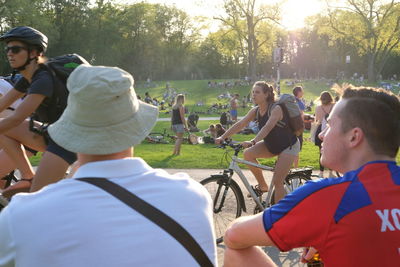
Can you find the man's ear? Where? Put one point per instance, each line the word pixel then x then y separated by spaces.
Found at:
pixel 355 137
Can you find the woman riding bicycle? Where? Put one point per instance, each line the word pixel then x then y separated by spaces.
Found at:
pixel 272 139
pixel 25 48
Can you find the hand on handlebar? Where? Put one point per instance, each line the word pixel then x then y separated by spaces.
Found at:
pixel 247 144
pixel 218 140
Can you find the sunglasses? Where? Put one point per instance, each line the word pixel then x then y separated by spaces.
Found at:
pixel 14 49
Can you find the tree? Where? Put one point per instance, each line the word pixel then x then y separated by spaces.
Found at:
pixel 245 17
pixel 371 25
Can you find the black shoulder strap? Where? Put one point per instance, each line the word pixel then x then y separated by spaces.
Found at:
pixel 153 214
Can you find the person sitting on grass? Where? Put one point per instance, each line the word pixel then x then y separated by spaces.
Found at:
pixel 352 220
pixel 211 131
pixel 219 130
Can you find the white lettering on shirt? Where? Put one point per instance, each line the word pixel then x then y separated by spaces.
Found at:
pixel 396 218
pixel 385 216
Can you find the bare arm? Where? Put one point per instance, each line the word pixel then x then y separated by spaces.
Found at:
pixel 9 98
pixel 240 124
pixel 276 115
pixel 319 114
pixel 24 110
pixel 247 231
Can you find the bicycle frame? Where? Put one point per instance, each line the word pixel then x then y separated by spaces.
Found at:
pixel 235 167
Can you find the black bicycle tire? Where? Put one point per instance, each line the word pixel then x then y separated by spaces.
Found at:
pixel 288 183
pixel 220 220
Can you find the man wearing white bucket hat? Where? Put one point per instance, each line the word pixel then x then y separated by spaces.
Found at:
pixel 75 223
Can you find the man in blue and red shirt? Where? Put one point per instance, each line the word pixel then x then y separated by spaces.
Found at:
pixel 351 221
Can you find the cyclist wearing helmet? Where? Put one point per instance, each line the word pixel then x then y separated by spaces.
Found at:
pixel 25 48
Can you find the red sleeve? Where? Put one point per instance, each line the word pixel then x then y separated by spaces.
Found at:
pixel 304 217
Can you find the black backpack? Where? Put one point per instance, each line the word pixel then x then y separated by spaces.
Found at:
pixel 60 68
pixel 289 107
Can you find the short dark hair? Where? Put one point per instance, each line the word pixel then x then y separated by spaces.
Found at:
pixel 377 113
pixel 297 89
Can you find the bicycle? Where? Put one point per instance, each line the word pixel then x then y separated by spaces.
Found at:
pixel 158 137
pixel 228 198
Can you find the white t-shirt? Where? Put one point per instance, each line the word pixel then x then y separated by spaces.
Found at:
pixel 73 223
pixel 4 88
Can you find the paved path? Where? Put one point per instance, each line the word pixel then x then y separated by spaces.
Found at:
pixel 200 119
pixel 284 259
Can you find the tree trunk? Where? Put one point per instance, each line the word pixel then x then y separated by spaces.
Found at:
pixel 252 49
pixel 371 68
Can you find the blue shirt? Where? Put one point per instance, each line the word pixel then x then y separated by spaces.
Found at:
pixel 301 104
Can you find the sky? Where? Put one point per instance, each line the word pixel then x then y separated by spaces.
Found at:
pixel 293 11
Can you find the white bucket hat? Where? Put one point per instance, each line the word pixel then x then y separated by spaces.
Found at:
pixel 103 114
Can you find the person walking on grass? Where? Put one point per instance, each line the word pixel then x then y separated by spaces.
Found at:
pixel 178 122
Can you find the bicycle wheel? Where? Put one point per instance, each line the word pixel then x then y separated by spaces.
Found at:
pixel 226 203
pixel 291 183
pixel 294 181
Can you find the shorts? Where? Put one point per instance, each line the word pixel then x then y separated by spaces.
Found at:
pixel 68 156
pixel 233 113
pixel 178 128
pixel 293 149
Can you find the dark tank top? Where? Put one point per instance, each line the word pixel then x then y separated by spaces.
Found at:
pixel 280 137
pixel 176 117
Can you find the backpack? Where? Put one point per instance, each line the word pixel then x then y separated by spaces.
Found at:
pixel 289 106
pixel 223 119
pixel 60 68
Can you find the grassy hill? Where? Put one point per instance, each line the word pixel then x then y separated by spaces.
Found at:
pixel 206 155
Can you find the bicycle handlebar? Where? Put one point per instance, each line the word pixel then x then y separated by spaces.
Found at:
pixel 236 147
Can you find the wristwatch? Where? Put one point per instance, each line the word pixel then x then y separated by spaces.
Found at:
pixel 253 142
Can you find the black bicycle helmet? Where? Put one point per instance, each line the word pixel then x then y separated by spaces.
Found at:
pixel 27 35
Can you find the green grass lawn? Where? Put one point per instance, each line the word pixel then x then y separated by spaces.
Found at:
pixel 207 155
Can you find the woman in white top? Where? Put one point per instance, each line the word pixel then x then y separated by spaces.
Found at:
pixel 321 114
